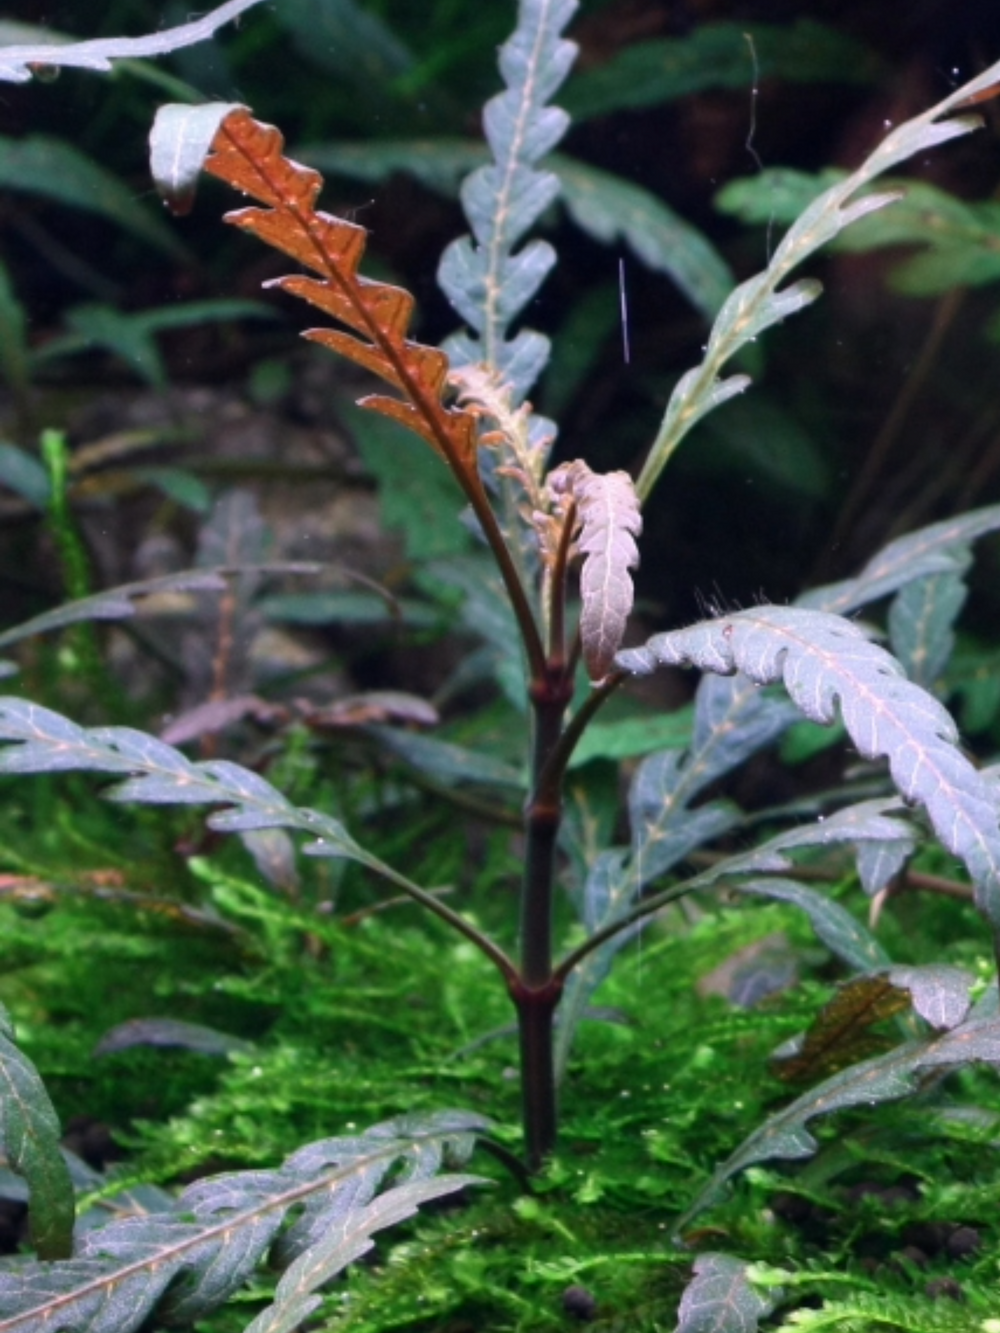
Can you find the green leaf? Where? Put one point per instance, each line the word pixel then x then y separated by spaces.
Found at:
pixel 130 335
pixel 719 55
pixel 25 475
pixel 921 624
pixel 608 208
pixel 632 737
pixel 13 337
pixel 426 509
pixel 883 1078
pixel 185 1262
pixel 349 41
pixel 29 1136
pixel 42 165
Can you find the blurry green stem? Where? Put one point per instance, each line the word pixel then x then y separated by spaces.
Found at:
pixel 73 562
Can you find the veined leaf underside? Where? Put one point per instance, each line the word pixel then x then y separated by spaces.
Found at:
pixel 184 1263
pixel 826 663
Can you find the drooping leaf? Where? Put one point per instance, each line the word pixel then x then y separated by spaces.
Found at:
pixel 29 1139
pixel 718 55
pixel 179 143
pixel 883 1078
pixel 719 1299
pixel 16 61
pixel 248 156
pixel 609 523
pixel 825 662
pixel 185 1262
pixel 940 548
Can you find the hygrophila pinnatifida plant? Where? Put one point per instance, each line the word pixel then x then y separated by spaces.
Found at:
pixel 551 533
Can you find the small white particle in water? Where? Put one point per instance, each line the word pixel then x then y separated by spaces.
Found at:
pixel 887 124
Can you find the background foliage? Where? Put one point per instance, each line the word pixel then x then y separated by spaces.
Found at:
pixel 693 146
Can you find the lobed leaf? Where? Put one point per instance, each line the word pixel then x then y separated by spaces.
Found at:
pixel 248 156
pixel 883 1078
pixel 609 523
pixel 764 299
pixel 826 663
pixel 184 1263
pixel 842 933
pixel 604 205
pixel 940 548
pixel 16 61
pixel 482 276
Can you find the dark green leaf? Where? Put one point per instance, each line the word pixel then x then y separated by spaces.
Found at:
pixel 29 1135
pixel 719 55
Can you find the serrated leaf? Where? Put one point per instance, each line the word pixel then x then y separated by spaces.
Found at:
pixel 249 156
pixel 768 297
pixel 826 663
pixel 939 548
pixel 609 523
pixel 16 61
pixel 483 278
pixel 884 1078
pixel 222 1227
pixel 720 1299
pixel 29 1138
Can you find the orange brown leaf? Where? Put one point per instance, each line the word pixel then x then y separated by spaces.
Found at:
pixel 249 156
